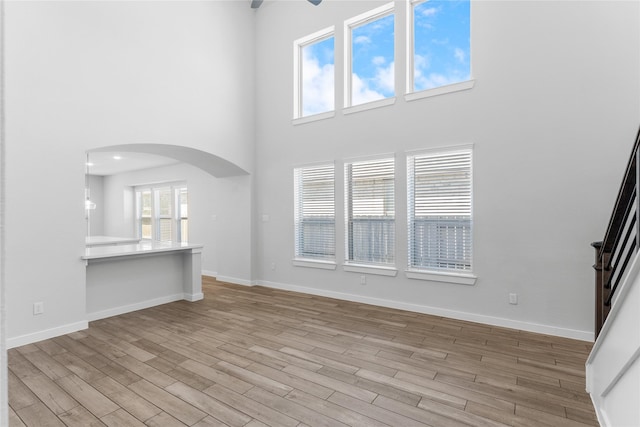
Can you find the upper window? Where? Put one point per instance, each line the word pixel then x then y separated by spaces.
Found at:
pixel 314 212
pixel 314 89
pixel 439 210
pixel 369 56
pixel 439 43
pixel 161 213
pixel 370 213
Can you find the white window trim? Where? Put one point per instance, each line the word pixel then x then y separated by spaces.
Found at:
pixel 309 263
pixel 380 270
pixel 411 94
pixel 349 24
pixel 370 105
pixel 298 45
pixel 441 90
pixel 314 118
pixel 442 276
pixel 153 187
pixel 327 264
pixel 448 276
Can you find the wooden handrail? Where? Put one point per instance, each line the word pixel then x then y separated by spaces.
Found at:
pixel 621 240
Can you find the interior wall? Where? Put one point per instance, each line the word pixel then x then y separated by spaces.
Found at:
pixel 552 116
pixel 204 192
pixel 82 75
pixel 96 216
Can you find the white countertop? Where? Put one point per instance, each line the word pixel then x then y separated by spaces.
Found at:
pixel 109 240
pixel 144 247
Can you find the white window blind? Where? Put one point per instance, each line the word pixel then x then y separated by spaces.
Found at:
pixel 314 212
pixel 439 210
pixel 370 212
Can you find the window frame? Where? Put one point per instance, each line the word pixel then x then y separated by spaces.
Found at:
pixel 298 45
pixel 457 276
pixel 326 262
pixel 410 93
pixel 154 189
pixel 358 266
pixel 349 25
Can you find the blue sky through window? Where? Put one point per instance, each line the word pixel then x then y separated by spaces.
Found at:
pixel 441 56
pixel 441 43
pixel 318 77
pixel 372 56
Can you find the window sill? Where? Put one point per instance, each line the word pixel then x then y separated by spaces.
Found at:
pixel 369 105
pixel 447 277
pixel 312 263
pixel 314 118
pixel 428 93
pixel 370 269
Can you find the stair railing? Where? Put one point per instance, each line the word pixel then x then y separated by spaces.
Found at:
pixel 621 241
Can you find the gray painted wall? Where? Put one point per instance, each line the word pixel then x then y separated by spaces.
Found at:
pixel 552 116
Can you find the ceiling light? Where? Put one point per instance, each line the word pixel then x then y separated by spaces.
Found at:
pixel 117 157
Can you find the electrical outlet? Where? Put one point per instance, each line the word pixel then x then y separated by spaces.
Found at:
pixel 513 299
pixel 273 266
pixel 38 308
pixel 363 280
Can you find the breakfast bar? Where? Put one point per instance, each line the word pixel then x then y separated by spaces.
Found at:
pixel 128 277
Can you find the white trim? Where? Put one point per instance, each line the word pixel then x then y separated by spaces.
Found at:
pixel 314 118
pixel 209 273
pixel 379 270
pixel 372 157
pixel 626 283
pixel 411 94
pixel 313 263
pixel 440 90
pixel 369 105
pixel 349 24
pixel 442 276
pixel 453 314
pixel 46 334
pixel 133 307
pixel 235 281
pixel 193 297
pixel 298 45
pixel 441 149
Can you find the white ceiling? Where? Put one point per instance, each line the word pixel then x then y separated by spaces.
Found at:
pixel 103 163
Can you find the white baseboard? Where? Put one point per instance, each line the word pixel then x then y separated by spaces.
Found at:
pixel 46 334
pixel 194 297
pixel 460 315
pixel 235 281
pixel 209 273
pixel 133 307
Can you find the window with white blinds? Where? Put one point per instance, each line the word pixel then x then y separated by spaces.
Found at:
pixel 314 212
pixel 370 211
pixel 161 213
pixel 439 210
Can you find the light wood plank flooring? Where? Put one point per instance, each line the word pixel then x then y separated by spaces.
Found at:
pixel 257 356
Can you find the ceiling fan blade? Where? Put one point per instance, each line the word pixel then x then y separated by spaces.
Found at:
pixel 315 2
pixel 256 4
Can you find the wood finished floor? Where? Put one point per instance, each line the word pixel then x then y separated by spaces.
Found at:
pixel 257 356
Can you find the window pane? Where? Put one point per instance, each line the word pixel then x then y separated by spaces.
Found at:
pixel 372 61
pixel 146 203
pixel 146 230
pixel 370 211
pixel 318 77
pixel 440 222
pixel 314 212
pixel 164 202
pixel 441 43
pixel 164 229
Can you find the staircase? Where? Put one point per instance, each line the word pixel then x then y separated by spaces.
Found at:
pixel 613 367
